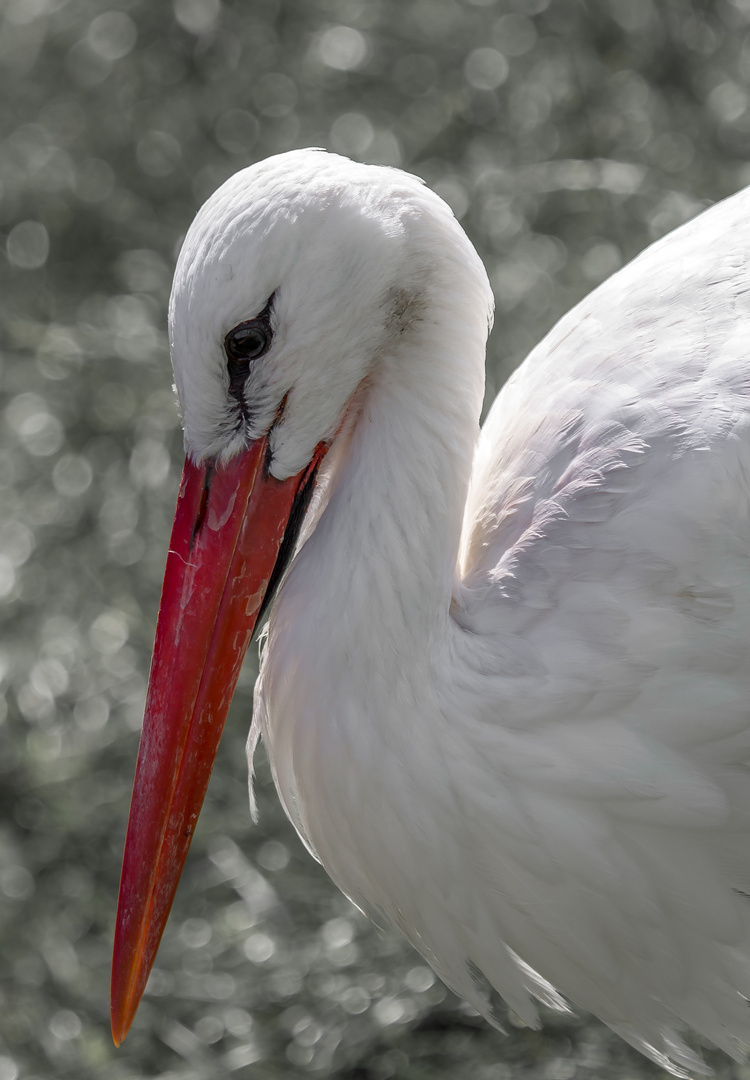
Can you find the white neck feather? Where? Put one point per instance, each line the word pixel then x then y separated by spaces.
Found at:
pixel 360 623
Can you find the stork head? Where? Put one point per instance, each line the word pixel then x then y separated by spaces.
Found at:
pixel 296 275
pixel 295 280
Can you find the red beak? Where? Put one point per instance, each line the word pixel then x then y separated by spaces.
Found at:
pixel 234 531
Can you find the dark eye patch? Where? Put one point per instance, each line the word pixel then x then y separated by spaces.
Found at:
pixel 245 343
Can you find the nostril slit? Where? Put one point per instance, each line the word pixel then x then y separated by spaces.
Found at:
pixel 201 516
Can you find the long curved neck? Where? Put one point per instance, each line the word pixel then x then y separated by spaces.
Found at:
pixel 390 533
pixel 382 559
pixel 366 604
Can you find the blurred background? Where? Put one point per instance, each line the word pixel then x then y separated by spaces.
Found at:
pixel 566 135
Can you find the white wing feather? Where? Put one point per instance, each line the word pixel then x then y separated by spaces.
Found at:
pixel 606 560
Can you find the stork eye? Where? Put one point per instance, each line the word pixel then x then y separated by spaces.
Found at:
pixel 244 343
pixel 247 341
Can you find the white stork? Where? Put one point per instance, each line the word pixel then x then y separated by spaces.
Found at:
pixel 506 685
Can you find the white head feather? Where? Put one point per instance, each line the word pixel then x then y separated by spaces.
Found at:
pixel 343 250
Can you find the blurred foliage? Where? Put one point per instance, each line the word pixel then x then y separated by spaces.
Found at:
pixel 566 135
